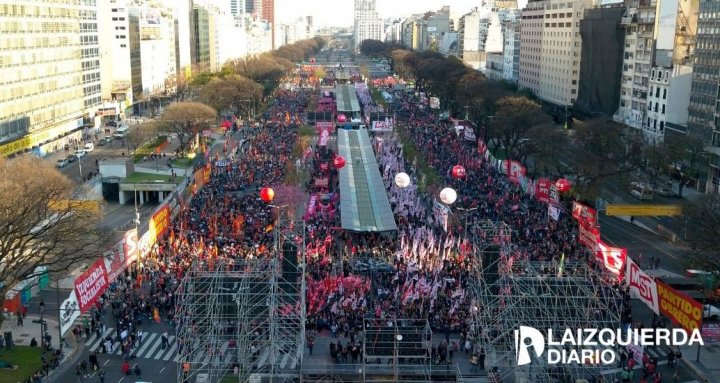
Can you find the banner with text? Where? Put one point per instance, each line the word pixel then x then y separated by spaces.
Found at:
pixel 382 126
pixel 90 285
pixel 589 237
pixel 515 171
pixel 327 125
pixel 542 189
pixel 584 214
pixel 124 253
pixel 642 286
pixel 69 311
pixel 441 211
pixel 159 223
pixel 678 307
pixel 612 257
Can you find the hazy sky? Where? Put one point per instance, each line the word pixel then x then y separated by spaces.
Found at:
pixel 340 12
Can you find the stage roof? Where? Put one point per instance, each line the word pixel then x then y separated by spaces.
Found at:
pixel 364 204
pixel 346 98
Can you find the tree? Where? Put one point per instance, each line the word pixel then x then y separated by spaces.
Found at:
pixel 186 120
pixel 265 70
pixel 372 48
pixel 686 154
pixel 142 133
pixel 404 63
pixel 602 150
pixel 511 124
pixel 703 224
pixel 221 93
pixel 545 146
pixel 42 223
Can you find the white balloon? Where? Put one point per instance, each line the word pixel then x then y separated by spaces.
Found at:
pixel 402 180
pixel 448 196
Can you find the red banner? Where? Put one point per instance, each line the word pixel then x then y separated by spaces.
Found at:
pixel 678 307
pixel 516 170
pixel 584 214
pixel 589 237
pixel 612 257
pixel 324 137
pixel 125 253
pixel 159 223
pixel 324 125
pixel 90 285
pixel 542 189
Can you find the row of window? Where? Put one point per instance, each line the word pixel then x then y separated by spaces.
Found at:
pixel 654 107
pixel 39 26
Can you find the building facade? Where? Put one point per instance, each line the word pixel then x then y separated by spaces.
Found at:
pixel 368 24
pixel 704 110
pixel 511 49
pixel 49 62
pixel 550 50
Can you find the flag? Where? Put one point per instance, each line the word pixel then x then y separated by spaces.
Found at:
pixel 156 315
pixel 553 212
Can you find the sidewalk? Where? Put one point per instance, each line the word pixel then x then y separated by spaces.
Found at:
pixel 22 336
pixel 708 368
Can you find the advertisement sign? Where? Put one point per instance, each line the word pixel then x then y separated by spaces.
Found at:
pixel 90 285
pixel 643 210
pixel 434 103
pixel 542 189
pixel 516 170
pixel 612 257
pixel 159 223
pixel 678 307
pixel 69 311
pixel 381 126
pixel 584 214
pixel 642 286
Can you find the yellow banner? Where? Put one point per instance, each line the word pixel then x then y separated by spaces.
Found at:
pixel 75 204
pixel 643 210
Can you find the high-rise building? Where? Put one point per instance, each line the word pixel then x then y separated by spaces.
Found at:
pixel 268 14
pixel 511 49
pixel 471 37
pixel 550 48
pixel 49 73
pixel 239 7
pixel 201 36
pixel 704 109
pixel 368 24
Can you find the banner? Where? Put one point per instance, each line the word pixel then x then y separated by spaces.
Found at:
pixel 125 252
pixel 678 307
pixel 589 236
pixel 434 103
pixel 90 285
pixel 159 223
pixel 516 170
pixel 324 137
pixel 327 125
pixel 542 189
pixel 69 311
pixel 643 210
pixel 612 257
pixel 554 212
pixel 584 214
pixel 642 286
pixel 381 126
pixel 469 134
pixel 441 211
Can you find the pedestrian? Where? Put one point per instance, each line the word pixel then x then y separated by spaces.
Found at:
pixel 126 368
pixel 101 375
pixel 311 343
pixel 481 359
pixel 164 340
pixel 93 358
pixel 671 358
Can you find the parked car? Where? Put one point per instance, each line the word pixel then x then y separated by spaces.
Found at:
pixel 665 192
pixel 61 163
pixel 71 158
pixel 111 123
pixel 80 153
pixel 89 147
pixel 711 312
pixel 107 139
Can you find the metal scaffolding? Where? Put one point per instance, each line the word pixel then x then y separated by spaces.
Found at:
pixel 397 350
pixel 244 318
pixel 511 291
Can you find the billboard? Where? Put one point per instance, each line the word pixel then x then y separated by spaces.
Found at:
pixel 91 284
pixel 678 307
pixel 642 286
pixel 643 210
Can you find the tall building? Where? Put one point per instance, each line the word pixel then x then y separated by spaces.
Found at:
pixel 471 37
pixel 550 47
pixel 49 73
pixel 368 24
pixel 268 14
pixel 511 49
pixel 239 7
pixel 201 37
pixel 704 109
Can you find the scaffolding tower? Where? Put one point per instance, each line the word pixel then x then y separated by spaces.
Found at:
pixel 397 350
pixel 244 317
pixel 511 291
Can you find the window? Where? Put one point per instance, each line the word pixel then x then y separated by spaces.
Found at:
pixel 663 109
pixel 657 92
pixel 665 94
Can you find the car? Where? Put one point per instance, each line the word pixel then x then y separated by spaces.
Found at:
pixel 80 153
pixel 111 123
pixel 665 191
pixel 711 312
pixel 89 147
pixel 71 158
pixel 101 142
pixel 107 139
pixel 61 163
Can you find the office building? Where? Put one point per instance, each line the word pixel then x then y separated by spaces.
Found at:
pixel 49 74
pixel 368 25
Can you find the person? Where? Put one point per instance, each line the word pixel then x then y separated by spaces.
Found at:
pixel 671 359
pixel 136 370
pixel 311 343
pixel 481 359
pixel 126 368
pixel 164 340
pixel 93 358
pixel 33 342
pixel 19 316
pixel 101 375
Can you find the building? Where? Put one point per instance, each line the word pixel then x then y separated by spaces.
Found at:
pixel 704 109
pixel 511 50
pixel 368 24
pixel 49 74
pixel 201 38
pixel 268 14
pixel 494 65
pixel 393 31
pixel 668 100
pixel 436 25
pixel 471 37
pixel 601 64
pixel 239 7
pixel 550 49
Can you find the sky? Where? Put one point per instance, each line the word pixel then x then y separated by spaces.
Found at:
pixel 340 12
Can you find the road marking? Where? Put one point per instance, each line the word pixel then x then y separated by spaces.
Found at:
pixel 173 349
pixel 96 343
pixel 152 350
pixel 106 362
pixel 650 243
pixel 161 370
pixel 121 379
pixel 146 343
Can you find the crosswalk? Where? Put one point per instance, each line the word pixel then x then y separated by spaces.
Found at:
pixel 150 348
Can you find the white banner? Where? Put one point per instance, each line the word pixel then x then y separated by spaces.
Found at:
pixel 434 103
pixel 69 311
pixel 642 286
pixel 554 212
pixel 382 126
pixel 441 211
pixel 469 134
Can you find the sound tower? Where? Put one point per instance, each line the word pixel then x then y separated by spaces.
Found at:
pixel 290 273
pixel 490 259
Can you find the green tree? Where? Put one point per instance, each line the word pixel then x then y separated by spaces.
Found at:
pixel 703 225
pixel 186 120
pixel 222 93
pixel 512 123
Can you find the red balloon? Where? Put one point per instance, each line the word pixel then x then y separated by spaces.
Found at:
pixel 339 162
pixel 562 185
pixel 267 194
pixel 341 118
pixel 458 171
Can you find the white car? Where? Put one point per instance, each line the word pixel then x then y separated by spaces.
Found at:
pixel 711 312
pixel 61 163
pixel 89 147
pixel 80 153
